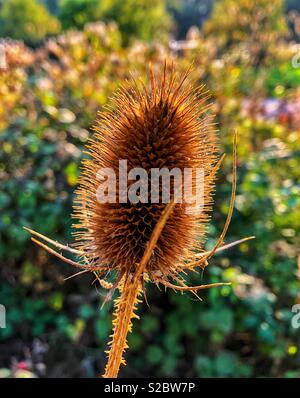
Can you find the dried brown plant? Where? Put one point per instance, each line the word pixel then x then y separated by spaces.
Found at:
pixel 168 125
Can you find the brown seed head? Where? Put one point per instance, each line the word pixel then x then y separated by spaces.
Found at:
pixel 167 125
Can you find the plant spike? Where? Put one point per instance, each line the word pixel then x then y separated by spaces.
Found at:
pixel 168 126
pixel 125 305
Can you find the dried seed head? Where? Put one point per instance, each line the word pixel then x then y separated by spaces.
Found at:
pixel 167 125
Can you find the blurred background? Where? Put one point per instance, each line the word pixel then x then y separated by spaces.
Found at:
pixel 59 63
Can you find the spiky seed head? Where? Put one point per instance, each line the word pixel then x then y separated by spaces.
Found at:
pixel 166 125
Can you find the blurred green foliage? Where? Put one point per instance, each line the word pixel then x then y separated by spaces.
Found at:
pixel 76 13
pixel 141 19
pixel 251 26
pixel 27 20
pixel 49 99
pixel 286 74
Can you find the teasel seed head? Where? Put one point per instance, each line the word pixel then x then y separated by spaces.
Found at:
pixel 167 125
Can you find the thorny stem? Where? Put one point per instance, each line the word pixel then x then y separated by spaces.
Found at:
pixel 125 304
pixel 124 313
